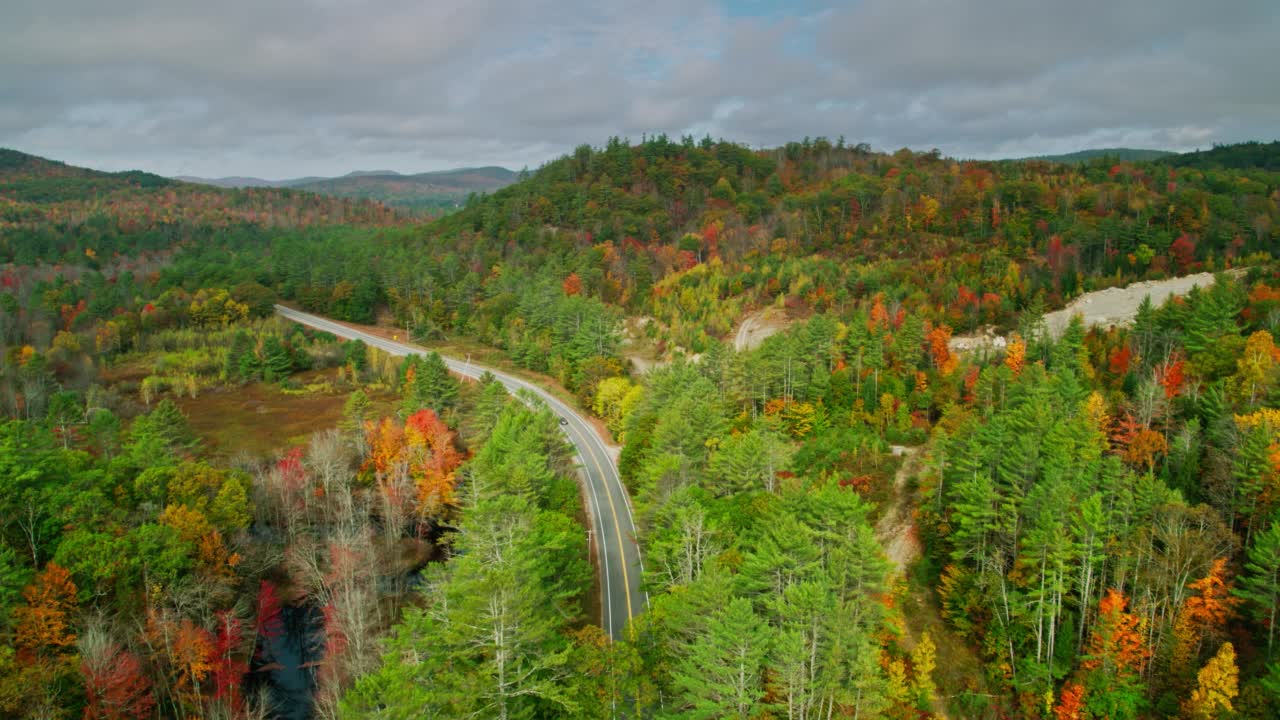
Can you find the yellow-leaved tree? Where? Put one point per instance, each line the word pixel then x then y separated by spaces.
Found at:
pixel 1218 684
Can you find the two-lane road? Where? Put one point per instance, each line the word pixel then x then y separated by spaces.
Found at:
pixel 608 506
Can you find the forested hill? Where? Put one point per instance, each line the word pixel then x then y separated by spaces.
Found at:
pixel 1079 525
pixel 1241 156
pixel 1128 154
pixel 692 233
pixel 51 211
pixel 446 189
pixel 428 191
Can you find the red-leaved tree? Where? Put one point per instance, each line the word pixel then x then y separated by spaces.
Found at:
pixel 228 668
pixel 115 686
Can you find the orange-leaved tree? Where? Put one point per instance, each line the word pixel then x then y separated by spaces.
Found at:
pixel 433 459
pixel 939 339
pixel 43 625
pixel 1070 702
pixel 572 285
pixel 1114 659
pixel 1015 355
pixel 1212 603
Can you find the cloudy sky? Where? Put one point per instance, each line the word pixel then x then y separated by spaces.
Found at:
pixel 282 88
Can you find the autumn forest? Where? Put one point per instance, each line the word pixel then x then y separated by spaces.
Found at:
pixel 887 453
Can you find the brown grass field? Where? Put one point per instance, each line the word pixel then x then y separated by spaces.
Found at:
pixel 262 420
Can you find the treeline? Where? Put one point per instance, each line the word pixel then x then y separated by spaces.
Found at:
pixel 1246 155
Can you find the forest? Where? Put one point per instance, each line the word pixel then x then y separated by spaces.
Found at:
pixel 209 512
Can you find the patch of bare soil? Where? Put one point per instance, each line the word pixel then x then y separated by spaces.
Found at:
pixel 1106 308
pixel 1118 306
pixel 897 526
pixel 958 669
pixel 638 348
pixel 759 325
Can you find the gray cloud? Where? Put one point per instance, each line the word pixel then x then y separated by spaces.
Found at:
pixel 289 87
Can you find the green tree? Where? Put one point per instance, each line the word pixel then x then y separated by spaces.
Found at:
pixel 277 361
pixel 487 642
pixel 749 461
pixel 720 674
pixel 428 385
pixel 1260 585
pixel 356 411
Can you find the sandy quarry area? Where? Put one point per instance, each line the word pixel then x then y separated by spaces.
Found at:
pixel 1117 306
pixel 1104 308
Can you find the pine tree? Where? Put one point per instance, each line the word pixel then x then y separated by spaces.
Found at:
pixel 488 641
pixel 1261 583
pixel 1255 476
pixel 749 461
pixel 908 343
pixel 164 432
pixel 277 361
pixel 1069 350
pixel 720 676
pixel 356 411
pixel 241 361
pixel 1145 330
pixel 430 386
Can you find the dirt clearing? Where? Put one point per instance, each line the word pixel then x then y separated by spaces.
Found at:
pixel 759 325
pixel 897 527
pixel 1102 308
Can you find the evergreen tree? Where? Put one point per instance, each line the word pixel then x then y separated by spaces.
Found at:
pixel 277 361
pixel 242 362
pixel 356 411
pixel 720 674
pixel 1261 583
pixel 429 385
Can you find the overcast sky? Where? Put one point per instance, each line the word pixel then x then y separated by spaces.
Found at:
pixel 283 88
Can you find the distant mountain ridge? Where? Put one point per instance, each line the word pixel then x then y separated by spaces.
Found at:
pixel 1259 155
pixel 1126 154
pixel 437 190
pixel 51 211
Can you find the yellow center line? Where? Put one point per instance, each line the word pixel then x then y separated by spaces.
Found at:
pixel 617 529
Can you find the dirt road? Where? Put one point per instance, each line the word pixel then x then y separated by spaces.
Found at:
pixel 897 526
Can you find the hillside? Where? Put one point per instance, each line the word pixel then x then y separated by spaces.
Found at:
pixel 444 189
pixel 51 210
pixel 1124 154
pixel 1241 156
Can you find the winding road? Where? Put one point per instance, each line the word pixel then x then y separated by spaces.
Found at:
pixel 608 506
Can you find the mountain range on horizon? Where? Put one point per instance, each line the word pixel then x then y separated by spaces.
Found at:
pixel 428 191
pixel 443 191
pixel 1119 153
